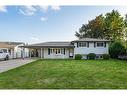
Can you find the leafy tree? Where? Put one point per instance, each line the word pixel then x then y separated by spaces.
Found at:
pixel 114 26
pixel 83 32
pixel 126 20
pixel 97 27
pixel 94 29
pixel 111 27
pixel 125 31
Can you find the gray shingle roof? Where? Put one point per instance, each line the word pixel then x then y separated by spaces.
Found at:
pixel 61 44
pixel 90 40
pixel 51 44
pixel 12 43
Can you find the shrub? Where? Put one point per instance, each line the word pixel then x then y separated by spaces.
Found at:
pixel 106 56
pixel 91 56
pixel 78 57
pixel 116 49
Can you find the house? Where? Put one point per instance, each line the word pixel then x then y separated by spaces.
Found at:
pixel 62 50
pixel 14 49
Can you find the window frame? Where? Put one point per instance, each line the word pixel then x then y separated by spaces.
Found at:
pixel 4 50
pixel 99 43
pixel 82 44
pixel 57 51
pixel 1 52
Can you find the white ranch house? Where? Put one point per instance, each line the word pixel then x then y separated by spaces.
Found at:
pixel 57 50
pixel 65 50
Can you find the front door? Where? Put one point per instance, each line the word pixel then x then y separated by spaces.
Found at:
pixel 71 52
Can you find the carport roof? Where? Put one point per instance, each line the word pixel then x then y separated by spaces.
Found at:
pixel 9 44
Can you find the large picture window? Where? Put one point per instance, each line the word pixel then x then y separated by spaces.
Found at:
pixel 56 51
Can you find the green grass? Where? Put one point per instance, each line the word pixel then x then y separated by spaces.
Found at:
pixel 67 74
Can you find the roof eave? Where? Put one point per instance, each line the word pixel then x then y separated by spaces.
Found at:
pixel 47 46
pixel 90 41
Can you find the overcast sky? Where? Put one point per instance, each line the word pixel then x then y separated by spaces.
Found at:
pixel 32 24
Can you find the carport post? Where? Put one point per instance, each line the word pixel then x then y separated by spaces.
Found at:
pixel 30 53
pixel 41 52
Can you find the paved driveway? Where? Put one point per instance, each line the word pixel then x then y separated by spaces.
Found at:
pixel 11 64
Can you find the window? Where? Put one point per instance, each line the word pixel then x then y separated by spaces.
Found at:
pixel 1 51
pixel 56 51
pixel 97 57
pixel 101 56
pixel 62 51
pixel 100 44
pixel 82 44
pixel 4 50
pixel 50 50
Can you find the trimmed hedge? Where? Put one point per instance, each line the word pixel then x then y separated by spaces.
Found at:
pixel 78 57
pixel 106 56
pixel 91 56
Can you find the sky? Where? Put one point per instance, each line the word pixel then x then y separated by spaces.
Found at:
pixel 35 24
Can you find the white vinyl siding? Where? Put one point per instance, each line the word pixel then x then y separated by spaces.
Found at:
pixel 91 49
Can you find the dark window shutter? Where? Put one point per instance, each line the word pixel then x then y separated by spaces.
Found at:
pixel 48 51
pixel 64 51
pixel 105 44
pixel 94 44
pixel 87 44
pixel 77 44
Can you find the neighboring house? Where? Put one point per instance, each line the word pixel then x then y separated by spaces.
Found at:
pixel 69 49
pixel 14 49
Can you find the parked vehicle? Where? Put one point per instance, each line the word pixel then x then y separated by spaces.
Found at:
pixel 4 55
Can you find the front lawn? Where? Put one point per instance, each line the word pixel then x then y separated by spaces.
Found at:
pixel 67 74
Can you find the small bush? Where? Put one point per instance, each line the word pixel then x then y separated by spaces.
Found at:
pixel 116 49
pixel 78 57
pixel 91 56
pixel 106 56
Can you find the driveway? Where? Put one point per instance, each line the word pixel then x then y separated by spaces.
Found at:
pixel 11 64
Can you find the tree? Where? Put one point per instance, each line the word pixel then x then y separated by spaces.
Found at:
pixel 125 20
pixel 94 29
pixel 116 49
pixel 114 26
pixel 97 27
pixel 125 30
pixel 111 27
pixel 83 32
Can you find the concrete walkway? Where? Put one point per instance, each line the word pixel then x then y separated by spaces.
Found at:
pixel 11 64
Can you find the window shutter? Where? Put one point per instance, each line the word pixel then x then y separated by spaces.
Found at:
pixel 64 51
pixel 94 44
pixel 105 44
pixel 87 44
pixel 77 44
pixel 48 51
